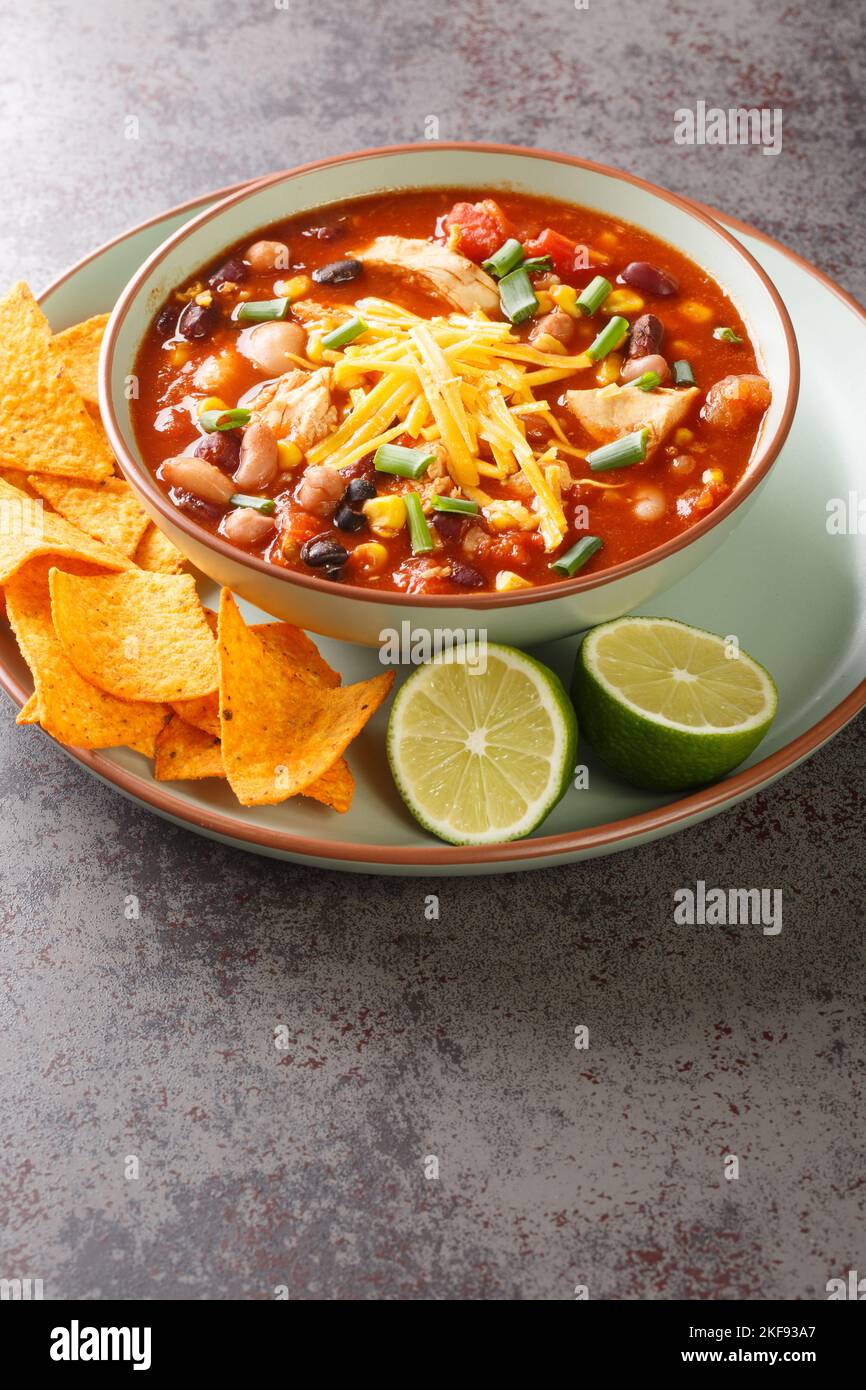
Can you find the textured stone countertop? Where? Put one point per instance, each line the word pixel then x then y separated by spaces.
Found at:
pixel 303 1168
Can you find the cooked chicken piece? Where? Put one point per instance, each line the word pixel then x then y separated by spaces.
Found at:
pixel 297 406
pixel 734 399
pixel 435 268
pixel 607 414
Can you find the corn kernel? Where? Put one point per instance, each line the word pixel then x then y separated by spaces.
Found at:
pixel 179 355
pixel 622 301
pixel 210 403
pixel 294 288
pixel 288 454
pixel 545 342
pixel 609 369
pixel 695 312
pixel 205 299
pixel 368 558
pixel 545 301
pixel 385 514
pixel 507 579
pixel 315 351
pixel 683 437
pixel 712 475
pixel 565 297
pixel 607 239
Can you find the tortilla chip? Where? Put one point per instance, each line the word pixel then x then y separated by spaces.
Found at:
pixel 136 635
pixel 29 711
pixel 186 754
pixel 16 479
pixel 203 713
pixel 44 425
pixel 109 510
pixel 28 529
pixel 79 350
pixel 157 553
pixel 70 708
pixel 280 731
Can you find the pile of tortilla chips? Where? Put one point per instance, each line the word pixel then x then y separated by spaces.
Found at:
pixel 120 648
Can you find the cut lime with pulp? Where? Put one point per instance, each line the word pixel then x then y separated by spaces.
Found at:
pixel 482 749
pixel 669 706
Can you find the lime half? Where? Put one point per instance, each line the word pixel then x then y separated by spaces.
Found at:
pixel 670 706
pixel 482 750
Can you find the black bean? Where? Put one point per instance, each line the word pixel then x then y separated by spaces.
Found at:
pixel 449 525
pixel 232 272
pixel 336 573
pixel 465 575
pixel 324 552
pixel 641 275
pixel 647 335
pixel 222 447
pixel 338 272
pixel 347 520
pixel 197 321
pixel 166 322
pixel 359 490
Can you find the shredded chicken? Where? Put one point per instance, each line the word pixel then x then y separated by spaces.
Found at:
pixel 297 406
pixel 436 268
pixel 606 414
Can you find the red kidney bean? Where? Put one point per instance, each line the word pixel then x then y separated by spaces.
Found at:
pixel 338 272
pixel 197 321
pixel 647 336
pixel 363 468
pixel 641 275
pixel 194 506
pixel 449 525
pixel 232 272
pixel 223 448
pixel 465 575
pixel 166 322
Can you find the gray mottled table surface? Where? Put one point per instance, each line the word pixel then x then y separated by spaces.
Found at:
pixel 154 1039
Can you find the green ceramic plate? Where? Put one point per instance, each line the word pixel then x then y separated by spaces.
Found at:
pixel 793 592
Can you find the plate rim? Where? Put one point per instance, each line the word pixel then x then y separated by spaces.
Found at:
pixel 612 835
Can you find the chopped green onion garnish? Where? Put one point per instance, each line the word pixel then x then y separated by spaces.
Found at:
pixel 419 532
pixel 648 381
pixel 622 452
pixel 575 558
pixel 461 505
pixel 683 374
pixel 405 463
pixel 591 298
pixel 224 419
pixel 345 334
pixel 261 310
pixel 609 338
pixel 509 256
pixel 537 265
pixel 727 335
pixel 517 297
pixel 266 505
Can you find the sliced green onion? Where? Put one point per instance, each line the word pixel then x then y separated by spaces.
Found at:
pixel 609 338
pixel 345 334
pixel 537 265
pixel 224 419
pixel 648 381
pixel 509 256
pixel 621 453
pixel 266 505
pixel 593 295
pixel 517 297
pixel 405 463
pixel 727 335
pixel 575 558
pixel 461 505
pixel 419 532
pixel 261 310
pixel 683 374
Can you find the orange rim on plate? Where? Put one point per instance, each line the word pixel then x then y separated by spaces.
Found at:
pixel 611 835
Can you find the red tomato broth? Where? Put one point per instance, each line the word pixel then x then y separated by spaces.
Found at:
pixel 165 422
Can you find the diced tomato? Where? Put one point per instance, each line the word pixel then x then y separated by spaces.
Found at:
pixel 480 228
pixel 562 252
pixel 510 549
pixel 296 527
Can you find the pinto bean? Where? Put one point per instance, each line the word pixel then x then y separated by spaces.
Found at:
pixel 259 458
pixel 647 336
pixel 244 526
pixel 268 346
pixel 636 366
pixel 267 255
pixel 641 275
pixel 320 489
pixel 197 476
pixel 556 324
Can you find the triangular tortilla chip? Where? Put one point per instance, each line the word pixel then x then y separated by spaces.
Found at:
pixel 79 349
pixel 280 732
pixel 70 708
pixel 28 529
pixel 29 711
pixel 158 554
pixel 109 510
pixel 186 754
pixel 44 425
pixel 144 638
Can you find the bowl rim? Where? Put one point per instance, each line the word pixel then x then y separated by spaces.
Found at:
pixel 142 478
